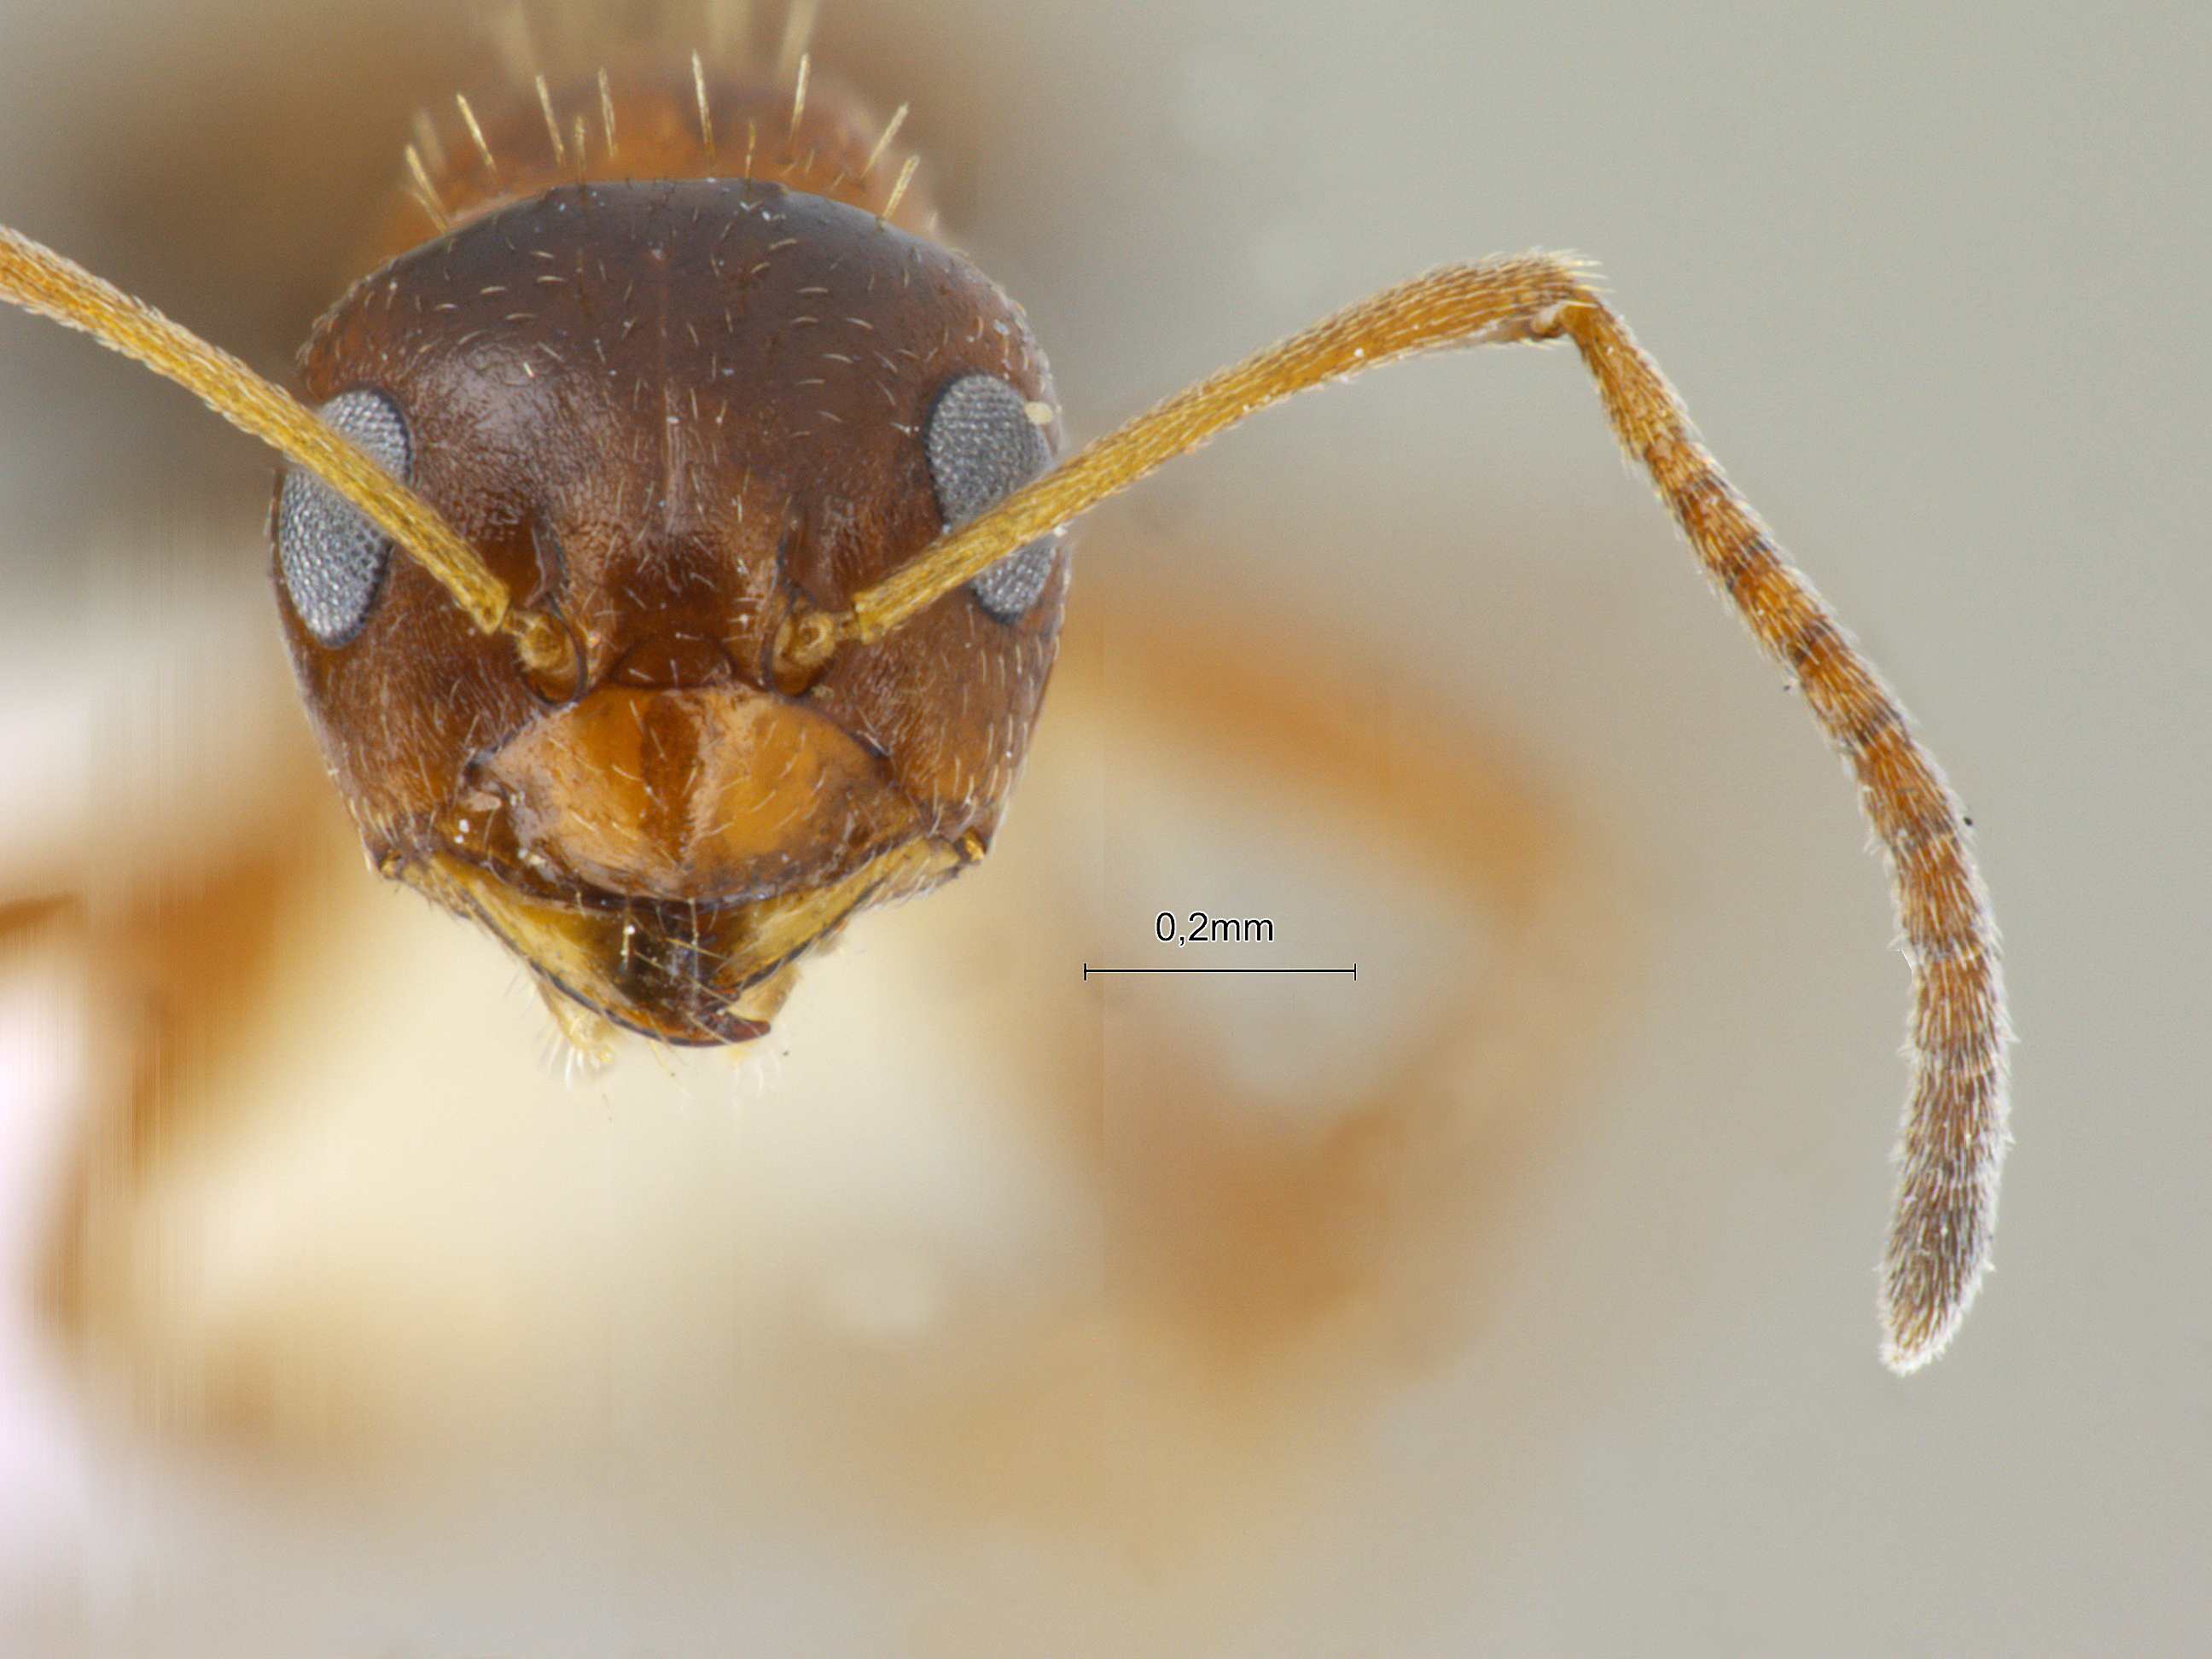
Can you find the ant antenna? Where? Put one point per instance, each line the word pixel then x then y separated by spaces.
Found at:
pixel 41 281
pixel 1954 1133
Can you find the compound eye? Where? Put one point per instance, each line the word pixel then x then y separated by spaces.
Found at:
pixel 983 445
pixel 333 559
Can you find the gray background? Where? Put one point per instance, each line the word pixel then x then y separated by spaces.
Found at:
pixel 1932 282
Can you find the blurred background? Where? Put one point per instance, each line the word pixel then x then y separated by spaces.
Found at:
pixel 1517 1297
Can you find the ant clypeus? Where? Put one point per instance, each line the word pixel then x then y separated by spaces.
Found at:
pixel 736 561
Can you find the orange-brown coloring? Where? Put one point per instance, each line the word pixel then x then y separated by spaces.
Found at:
pixel 669 392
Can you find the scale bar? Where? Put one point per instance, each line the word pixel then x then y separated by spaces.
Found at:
pixel 1353 971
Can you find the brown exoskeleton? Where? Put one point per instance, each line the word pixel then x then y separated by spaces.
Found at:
pixel 735 563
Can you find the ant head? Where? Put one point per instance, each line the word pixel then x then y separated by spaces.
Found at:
pixel 670 417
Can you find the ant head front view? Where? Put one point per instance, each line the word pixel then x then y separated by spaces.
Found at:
pixel 734 567
pixel 668 418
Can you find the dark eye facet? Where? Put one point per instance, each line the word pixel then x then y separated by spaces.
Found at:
pixel 983 447
pixel 333 559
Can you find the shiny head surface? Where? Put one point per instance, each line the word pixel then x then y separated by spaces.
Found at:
pixel 666 413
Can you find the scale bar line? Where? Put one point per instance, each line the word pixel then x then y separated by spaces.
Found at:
pixel 1351 972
